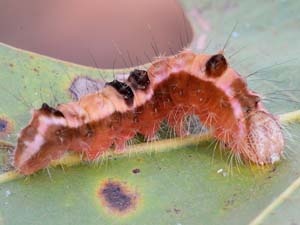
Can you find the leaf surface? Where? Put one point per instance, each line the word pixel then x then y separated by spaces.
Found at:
pixel 182 186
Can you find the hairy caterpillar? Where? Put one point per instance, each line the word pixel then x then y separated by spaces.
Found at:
pixel 184 84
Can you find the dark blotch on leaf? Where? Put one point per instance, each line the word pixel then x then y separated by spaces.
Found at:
pixel 3 125
pixel 6 126
pixel 117 197
pixel 36 70
pixel 136 170
pixel 174 210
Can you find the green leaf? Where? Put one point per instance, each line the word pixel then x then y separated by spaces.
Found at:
pixel 190 185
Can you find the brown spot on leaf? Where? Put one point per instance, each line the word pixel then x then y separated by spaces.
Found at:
pixel 6 126
pixel 229 203
pixel 136 170
pixel 174 210
pixel 177 211
pixel 117 197
pixel 3 125
pixel 36 70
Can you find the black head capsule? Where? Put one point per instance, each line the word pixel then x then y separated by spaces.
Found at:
pixel 139 79
pixel 216 66
pixel 123 90
pixel 48 109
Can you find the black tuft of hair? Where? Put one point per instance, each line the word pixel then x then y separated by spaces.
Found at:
pixel 48 109
pixel 216 66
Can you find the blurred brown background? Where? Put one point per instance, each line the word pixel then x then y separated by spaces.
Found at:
pixel 121 33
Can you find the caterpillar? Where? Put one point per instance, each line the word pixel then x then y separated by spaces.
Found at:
pixel 203 85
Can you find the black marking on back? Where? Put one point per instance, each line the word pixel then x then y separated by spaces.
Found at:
pixel 139 79
pixel 124 90
pixel 48 109
pixel 216 66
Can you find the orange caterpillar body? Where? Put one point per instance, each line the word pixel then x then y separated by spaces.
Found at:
pixel 172 88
